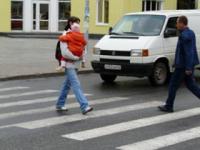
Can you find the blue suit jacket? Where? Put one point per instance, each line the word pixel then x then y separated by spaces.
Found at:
pixel 186 52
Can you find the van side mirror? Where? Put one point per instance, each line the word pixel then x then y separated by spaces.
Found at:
pixel 170 32
pixel 110 30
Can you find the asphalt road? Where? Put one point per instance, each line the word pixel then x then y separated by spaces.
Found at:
pixel 125 117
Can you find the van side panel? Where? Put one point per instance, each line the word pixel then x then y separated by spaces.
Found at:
pixel 194 22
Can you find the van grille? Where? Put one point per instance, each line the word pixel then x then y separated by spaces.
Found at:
pixel 113 61
pixel 115 53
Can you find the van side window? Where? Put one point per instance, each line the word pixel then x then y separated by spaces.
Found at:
pixel 171 30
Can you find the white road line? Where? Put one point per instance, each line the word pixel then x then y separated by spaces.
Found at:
pixel 52 108
pixel 34 101
pixel 130 125
pixel 78 117
pixel 164 141
pixel 27 94
pixel 13 88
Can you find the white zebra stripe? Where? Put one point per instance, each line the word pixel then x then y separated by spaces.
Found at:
pixel 27 94
pixel 13 88
pixel 34 101
pixel 164 141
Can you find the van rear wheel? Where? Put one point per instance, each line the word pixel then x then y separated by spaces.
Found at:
pixel 160 74
pixel 108 78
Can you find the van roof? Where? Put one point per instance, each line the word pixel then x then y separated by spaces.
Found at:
pixel 168 12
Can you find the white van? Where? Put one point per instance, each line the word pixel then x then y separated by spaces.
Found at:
pixel 142 44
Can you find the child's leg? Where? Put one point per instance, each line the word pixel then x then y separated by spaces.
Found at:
pixel 63 63
pixel 61 66
pixel 59 62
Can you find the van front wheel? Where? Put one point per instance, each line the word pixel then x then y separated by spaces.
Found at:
pixel 160 74
pixel 108 78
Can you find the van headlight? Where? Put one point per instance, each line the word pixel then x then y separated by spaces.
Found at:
pixel 140 52
pixel 96 51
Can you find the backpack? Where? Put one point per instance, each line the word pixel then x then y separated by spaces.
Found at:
pixel 58 54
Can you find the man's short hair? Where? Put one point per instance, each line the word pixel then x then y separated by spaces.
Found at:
pixel 183 19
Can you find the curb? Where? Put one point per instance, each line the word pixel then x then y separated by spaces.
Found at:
pixel 41 35
pixel 41 75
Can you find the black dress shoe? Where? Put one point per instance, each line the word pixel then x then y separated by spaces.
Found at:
pixel 165 109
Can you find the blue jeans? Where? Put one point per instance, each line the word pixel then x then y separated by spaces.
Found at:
pixel 72 81
pixel 177 78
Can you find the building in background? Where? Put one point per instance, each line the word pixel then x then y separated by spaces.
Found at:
pixel 187 4
pixel 34 15
pixel 5 16
pixel 51 15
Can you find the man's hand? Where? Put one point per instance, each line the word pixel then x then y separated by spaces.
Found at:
pixel 188 72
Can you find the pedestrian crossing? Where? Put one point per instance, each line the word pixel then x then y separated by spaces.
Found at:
pixel 52 108
pixel 131 125
pixel 78 117
pixel 96 132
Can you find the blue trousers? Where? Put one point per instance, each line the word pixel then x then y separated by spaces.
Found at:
pixel 177 78
pixel 72 82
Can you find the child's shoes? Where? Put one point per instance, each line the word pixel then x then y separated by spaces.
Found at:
pixel 60 69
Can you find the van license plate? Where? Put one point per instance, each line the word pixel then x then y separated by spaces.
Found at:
pixel 112 67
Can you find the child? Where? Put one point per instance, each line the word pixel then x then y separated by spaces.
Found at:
pixel 76 43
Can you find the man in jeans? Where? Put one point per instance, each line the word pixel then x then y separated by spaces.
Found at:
pixel 185 60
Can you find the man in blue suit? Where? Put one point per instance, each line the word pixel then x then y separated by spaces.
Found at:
pixel 185 60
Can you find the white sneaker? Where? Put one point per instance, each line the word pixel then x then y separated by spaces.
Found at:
pixel 60 69
pixel 62 108
pixel 87 109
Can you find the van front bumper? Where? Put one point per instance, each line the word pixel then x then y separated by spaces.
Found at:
pixel 137 70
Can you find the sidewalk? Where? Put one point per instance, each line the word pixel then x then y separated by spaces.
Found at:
pixel 27 57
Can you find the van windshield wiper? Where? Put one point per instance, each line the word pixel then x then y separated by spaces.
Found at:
pixel 115 33
pixel 133 33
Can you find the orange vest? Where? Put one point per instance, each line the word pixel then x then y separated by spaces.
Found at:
pixel 75 42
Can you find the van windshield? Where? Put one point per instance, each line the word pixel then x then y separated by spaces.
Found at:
pixel 139 25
